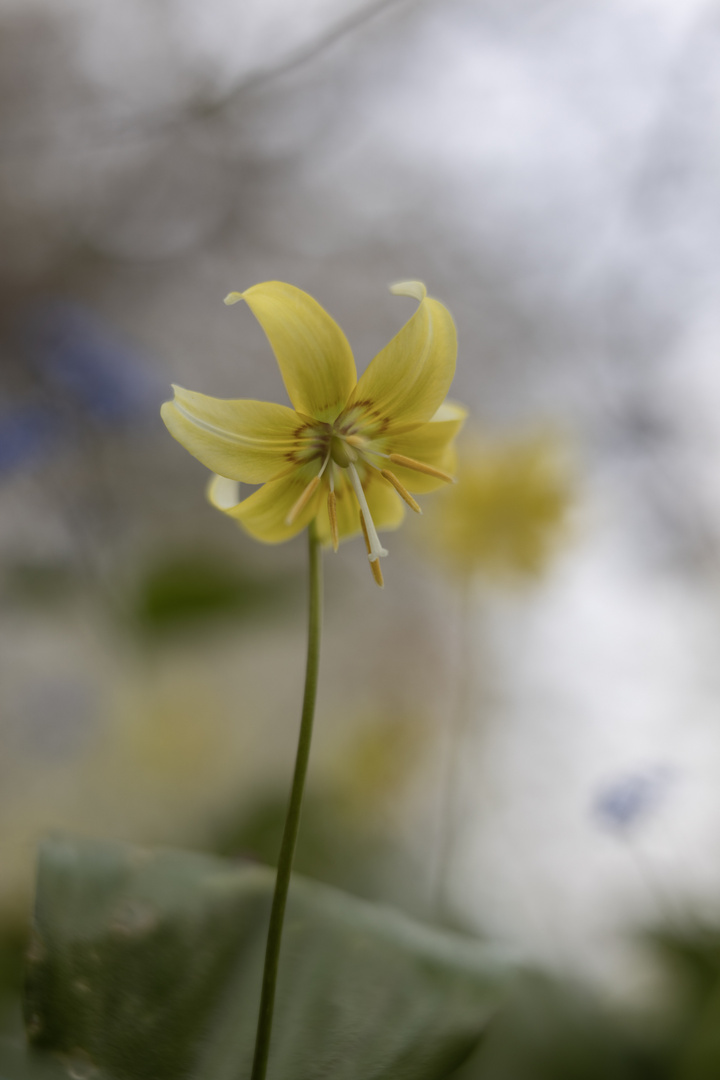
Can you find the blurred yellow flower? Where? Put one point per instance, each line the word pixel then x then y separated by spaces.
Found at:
pixel 347 449
pixel 378 759
pixel 508 510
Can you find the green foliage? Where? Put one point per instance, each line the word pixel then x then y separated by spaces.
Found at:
pixel 554 1030
pixel 13 940
pixel 186 590
pixel 691 1026
pixel 147 965
pixel 17 1062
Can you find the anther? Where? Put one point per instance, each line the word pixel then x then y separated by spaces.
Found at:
pixel 401 490
pixel 304 499
pixel 332 515
pixel 420 466
pixel 375 564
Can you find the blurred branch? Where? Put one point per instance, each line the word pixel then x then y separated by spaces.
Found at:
pixel 139 128
pixel 306 53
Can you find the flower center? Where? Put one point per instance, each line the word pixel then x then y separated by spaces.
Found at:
pixel 345 444
pixel 341 451
pixel 344 450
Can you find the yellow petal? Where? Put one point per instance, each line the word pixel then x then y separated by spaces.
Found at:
pixel 408 380
pixel 264 513
pixel 223 493
pixel 315 359
pixel 430 443
pixel 409 288
pixel 248 441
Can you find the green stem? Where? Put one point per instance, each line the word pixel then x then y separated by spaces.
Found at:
pixel 292 820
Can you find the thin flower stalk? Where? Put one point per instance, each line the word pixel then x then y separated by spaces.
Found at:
pixel 292 820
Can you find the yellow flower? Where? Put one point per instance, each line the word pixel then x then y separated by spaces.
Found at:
pixel 349 450
pixel 509 508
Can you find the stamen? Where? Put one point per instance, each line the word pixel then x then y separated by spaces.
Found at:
pixel 420 466
pixel 307 493
pixel 375 548
pixel 304 499
pixel 401 490
pixel 374 566
pixel 332 515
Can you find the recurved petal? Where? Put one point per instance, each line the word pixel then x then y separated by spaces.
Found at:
pixel 243 440
pixel 223 493
pixel 408 380
pixel 315 359
pixel 264 513
pixel 431 444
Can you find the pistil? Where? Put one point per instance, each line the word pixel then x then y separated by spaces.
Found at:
pixel 374 566
pixel 375 548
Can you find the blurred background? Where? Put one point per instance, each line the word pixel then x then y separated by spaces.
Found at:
pixel 519 736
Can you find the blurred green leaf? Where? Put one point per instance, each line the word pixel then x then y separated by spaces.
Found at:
pixel 701 1057
pixel 691 1023
pixel 553 1030
pixel 147 965
pixel 13 943
pixel 184 590
pixel 691 954
pixel 20 1062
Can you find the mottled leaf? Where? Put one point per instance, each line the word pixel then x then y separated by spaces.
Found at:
pixel 146 965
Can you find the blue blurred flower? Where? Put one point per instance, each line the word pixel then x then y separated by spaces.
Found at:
pixel 626 801
pixel 83 373
pixel 27 434
pixel 76 354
